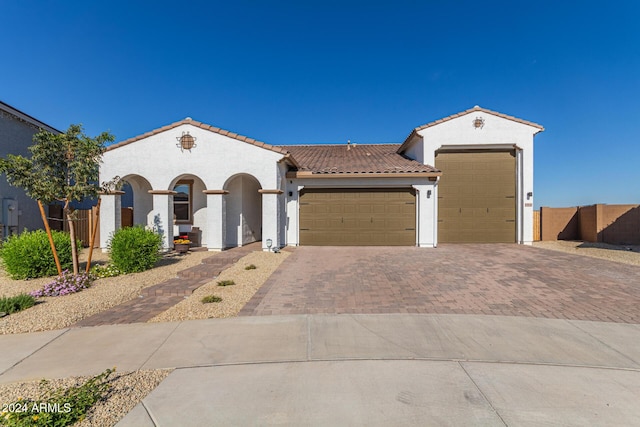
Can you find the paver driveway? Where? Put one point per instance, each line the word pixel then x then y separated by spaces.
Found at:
pixel 499 279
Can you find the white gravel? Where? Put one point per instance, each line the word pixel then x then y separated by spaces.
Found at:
pixel 627 254
pixel 127 390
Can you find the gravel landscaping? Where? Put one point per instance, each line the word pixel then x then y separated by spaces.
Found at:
pixel 234 297
pixel 627 254
pixel 127 389
pixel 60 312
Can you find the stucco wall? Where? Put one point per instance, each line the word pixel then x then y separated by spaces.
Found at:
pixel 426 204
pixel 214 160
pixel 212 164
pixel 497 132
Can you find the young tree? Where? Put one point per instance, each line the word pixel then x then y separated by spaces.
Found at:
pixel 62 168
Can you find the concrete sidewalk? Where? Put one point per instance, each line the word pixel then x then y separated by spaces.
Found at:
pixel 388 369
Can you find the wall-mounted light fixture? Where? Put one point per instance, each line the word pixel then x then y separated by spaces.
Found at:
pixel 269 244
pixel 186 141
pixel 529 195
pixel 478 123
pixel 428 194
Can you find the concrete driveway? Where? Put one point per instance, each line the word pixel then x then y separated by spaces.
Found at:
pixel 493 279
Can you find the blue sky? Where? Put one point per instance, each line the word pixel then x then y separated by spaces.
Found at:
pixel 324 72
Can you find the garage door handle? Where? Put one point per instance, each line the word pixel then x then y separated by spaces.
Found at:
pixel 305 229
pixel 371 219
pixel 409 229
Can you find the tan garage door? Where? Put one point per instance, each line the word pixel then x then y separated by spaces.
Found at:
pixel 477 197
pixel 345 217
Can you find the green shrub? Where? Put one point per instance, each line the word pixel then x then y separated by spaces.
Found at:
pixel 226 283
pixel 210 298
pixel 28 255
pixel 250 267
pixel 67 405
pixel 134 249
pixel 17 303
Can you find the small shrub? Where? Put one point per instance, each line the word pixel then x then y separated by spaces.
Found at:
pixel 71 404
pixel 28 255
pixel 210 298
pixel 226 283
pixel 101 271
pixel 134 249
pixel 65 284
pixel 250 267
pixel 17 303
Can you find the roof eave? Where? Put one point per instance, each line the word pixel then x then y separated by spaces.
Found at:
pixel 415 131
pixel 203 126
pixel 356 175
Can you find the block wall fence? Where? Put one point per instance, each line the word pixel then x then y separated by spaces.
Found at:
pixel 614 224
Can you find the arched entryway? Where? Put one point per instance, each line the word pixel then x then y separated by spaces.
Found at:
pixel 189 208
pixel 137 198
pixel 243 210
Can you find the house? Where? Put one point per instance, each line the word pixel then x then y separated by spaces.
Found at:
pixel 465 178
pixel 19 212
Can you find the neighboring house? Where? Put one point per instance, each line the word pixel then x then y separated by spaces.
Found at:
pixel 16 135
pixel 464 178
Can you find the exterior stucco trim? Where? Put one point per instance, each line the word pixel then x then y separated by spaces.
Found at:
pixel 204 126
pixel 215 191
pixel 162 192
pixel 414 133
pixel 307 175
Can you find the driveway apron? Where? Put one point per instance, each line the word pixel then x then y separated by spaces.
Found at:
pixel 492 279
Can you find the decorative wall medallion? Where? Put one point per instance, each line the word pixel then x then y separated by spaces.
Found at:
pixel 186 141
pixel 478 123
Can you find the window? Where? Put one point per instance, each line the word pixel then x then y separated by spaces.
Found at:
pixel 182 202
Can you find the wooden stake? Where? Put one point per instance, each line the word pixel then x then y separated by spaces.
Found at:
pixel 48 229
pixel 93 233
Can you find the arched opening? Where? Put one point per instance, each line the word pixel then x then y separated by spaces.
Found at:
pixel 189 207
pixel 136 201
pixel 243 211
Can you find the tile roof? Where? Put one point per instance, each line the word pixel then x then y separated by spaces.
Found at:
pixel 355 159
pixel 463 113
pixel 189 121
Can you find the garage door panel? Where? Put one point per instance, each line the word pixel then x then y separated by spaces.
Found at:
pixel 357 217
pixel 476 197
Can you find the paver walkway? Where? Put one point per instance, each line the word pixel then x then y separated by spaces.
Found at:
pixel 153 300
pixel 493 279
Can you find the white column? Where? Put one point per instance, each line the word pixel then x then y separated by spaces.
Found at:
pixel 270 218
pixel 215 225
pixel 293 214
pixel 527 187
pixel 427 215
pixel 110 216
pixel 161 216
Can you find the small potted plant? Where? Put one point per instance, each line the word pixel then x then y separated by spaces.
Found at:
pixel 181 245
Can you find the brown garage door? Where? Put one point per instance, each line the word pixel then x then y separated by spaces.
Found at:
pixel 477 197
pixel 345 217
